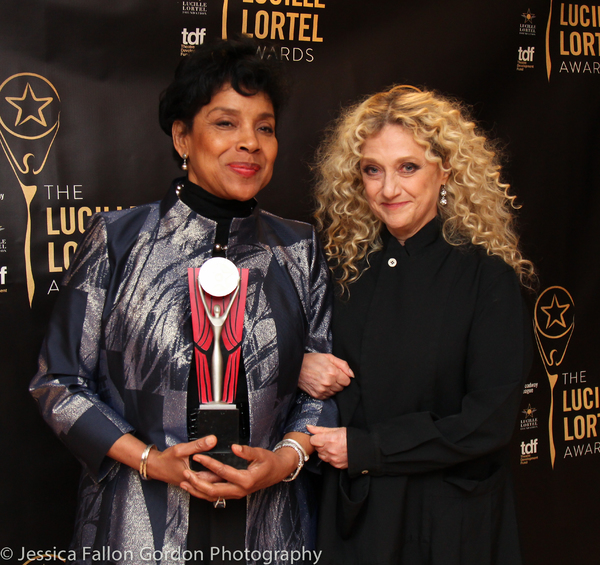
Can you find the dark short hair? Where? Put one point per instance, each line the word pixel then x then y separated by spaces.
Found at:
pixel 202 74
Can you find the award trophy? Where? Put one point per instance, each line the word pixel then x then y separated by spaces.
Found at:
pixel 219 278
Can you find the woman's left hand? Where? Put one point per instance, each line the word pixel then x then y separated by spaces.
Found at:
pixel 265 468
pixel 331 445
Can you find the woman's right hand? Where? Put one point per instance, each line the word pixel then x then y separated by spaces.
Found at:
pixel 168 465
pixel 323 374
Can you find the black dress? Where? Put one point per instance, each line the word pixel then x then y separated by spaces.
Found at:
pixel 439 341
pixel 211 527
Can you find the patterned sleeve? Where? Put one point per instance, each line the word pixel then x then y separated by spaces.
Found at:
pixel 308 410
pixel 319 301
pixel 66 386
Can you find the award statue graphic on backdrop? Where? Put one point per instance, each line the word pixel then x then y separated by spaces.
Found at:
pixel 218 297
pixel 553 327
pixel 29 122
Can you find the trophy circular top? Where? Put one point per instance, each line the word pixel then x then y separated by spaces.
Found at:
pixel 218 277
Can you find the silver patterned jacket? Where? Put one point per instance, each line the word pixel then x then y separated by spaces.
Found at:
pixel 116 359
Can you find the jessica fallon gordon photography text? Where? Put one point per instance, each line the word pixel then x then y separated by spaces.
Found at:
pixel 149 554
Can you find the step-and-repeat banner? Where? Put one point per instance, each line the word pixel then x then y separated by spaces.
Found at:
pixel 79 88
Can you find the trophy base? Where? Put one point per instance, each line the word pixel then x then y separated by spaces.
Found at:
pixel 221 420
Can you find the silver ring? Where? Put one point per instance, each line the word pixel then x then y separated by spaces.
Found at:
pixel 219 503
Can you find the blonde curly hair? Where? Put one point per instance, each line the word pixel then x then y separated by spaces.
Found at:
pixel 479 208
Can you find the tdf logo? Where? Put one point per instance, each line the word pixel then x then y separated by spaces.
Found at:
pixel 526 55
pixel 529 448
pixel 194 38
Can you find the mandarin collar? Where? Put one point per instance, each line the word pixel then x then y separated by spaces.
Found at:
pixel 212 206
pixel 427 236
pixel 206 204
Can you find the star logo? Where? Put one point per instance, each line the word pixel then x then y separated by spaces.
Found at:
pixel 528 16
pixel 555 312
pixel 29 107
pixel 529 412
pixel 29 101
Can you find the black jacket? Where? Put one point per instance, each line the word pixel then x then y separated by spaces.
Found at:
pixel 439 341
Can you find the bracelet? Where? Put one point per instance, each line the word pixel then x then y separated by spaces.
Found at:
pixel 144 461
pixel 302 456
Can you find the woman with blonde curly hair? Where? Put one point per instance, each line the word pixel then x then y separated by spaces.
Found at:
pixel 429 317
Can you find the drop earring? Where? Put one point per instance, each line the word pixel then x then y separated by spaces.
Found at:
pixel 184 165
pixel 443 200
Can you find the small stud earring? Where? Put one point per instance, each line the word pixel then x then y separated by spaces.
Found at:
pixel 184 165
pixel 443 200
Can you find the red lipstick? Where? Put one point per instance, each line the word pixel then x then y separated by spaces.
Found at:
pixel 246 170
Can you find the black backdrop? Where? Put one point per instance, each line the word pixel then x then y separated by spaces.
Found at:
pixel 79 86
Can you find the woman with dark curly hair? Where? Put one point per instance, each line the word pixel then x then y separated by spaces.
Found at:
pixel 122 374
pixel 418 229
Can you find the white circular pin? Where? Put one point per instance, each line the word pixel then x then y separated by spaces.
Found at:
pixel 218 277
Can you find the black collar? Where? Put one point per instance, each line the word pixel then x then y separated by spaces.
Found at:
pixel 210 206
pixel 427 236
